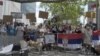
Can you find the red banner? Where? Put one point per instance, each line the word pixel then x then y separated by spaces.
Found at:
pixel 97 32
pixel 75 35
pixel 70 36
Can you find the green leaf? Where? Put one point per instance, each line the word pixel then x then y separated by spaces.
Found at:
pixel 69 9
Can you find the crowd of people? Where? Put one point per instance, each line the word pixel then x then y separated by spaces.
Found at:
pixel 34 33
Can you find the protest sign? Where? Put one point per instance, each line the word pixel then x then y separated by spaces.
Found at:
pixel 16 15
pixel 7 18
pixel 50 38
pixel 43 15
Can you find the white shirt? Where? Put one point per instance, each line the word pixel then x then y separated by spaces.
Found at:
pixel 87 35
pixel 23 44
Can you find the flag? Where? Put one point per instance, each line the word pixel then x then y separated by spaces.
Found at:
pixel 70 36
pixel 74 40
pixel 96 38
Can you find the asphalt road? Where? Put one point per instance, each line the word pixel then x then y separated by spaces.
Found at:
pixel 57 53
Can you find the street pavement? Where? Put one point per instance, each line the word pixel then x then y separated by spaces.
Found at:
pixel 57 53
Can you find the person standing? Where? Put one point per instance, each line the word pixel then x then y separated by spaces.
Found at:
pixel 87 31
pixel 3 36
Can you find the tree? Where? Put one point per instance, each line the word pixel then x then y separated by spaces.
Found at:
pixel 69 9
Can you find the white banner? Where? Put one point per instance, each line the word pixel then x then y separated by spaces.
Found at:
pixel 49 38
